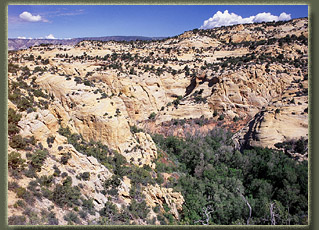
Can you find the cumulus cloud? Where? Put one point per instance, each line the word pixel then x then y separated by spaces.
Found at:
pixel 284 17
pixel 229 19
pixel 22 37
pixel 29 17
pixel 50 36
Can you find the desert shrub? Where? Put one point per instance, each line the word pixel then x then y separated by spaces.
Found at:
pixel 66 194
pixel 12 186
pixel 17 142
pixel 72 217
pixel 64 131
pixel 221 117
pixel 38 158
pixel 84 176
pixel 83 214
pixel 16 220
pixel 65 157
pixel 57 171
pixel 87 83
pixel 134 129
pixel 39 93
pixel 15 162
pixel 21 203
pixel 24 103
pixel 47 193
pixel 52 220
pixel 88 205
pixel 152 116
pixel 110 210
pixel 50 140
pixel 13 129
pixel 13 68
pixel 25 195
pixel 45 180
pixel 30 172
pixel 140 175
pixel 13 119
pixel 139 209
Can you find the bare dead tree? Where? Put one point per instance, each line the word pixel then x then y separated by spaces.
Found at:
pixel 246 201
pixel 206 211
pixel 272 214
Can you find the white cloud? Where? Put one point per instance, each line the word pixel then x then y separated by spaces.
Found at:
pixel 22 37
pixel 29 17
pixel 284 17
pixel 50 36
pixel 228 19
pixel 265 17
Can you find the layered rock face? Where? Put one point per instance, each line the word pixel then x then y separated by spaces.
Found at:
pixel 115 94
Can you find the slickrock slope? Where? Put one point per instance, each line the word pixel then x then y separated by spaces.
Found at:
pixel 81 116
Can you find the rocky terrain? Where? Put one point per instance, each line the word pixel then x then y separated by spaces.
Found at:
pixel 82 118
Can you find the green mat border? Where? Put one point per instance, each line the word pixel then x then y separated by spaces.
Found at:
pixel 313 95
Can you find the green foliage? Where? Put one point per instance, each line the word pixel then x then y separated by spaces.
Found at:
pixel 139 209
pixel 16 220
pixel 87 205
pixel 152 116
pixel 66 194
pixel 221 117
pixel 65 157
pixel 15 162
pixel 215 113
pixel 17 142
pixel 140 175
pixel 13 119
pixel 134 129
pixel 45 180
pixel 52 220
pixel 72 217
pixel 236 118
pixel 214 175
pixel 13 68
pixel 87 83
pixel 38 159
pixel 85 176
pixel 110 211
pixel 294 146
pixel 24 194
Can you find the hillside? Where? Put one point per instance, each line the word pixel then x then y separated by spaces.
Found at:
pixel 200 128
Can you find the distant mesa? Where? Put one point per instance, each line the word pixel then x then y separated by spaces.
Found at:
pixel 22 43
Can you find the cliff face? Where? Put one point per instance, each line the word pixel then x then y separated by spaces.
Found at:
pixel 72 99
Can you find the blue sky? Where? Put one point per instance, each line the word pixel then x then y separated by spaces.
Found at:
pixel 71 21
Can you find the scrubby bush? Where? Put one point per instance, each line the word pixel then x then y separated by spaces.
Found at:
pixel 13 119
pixel 72 217
pixel 152 116
pixel 38 158
pixel 16 220
pixel 17 142
pixel 15 162
pixel 66 194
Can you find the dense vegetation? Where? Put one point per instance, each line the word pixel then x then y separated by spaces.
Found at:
pixel 224 186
